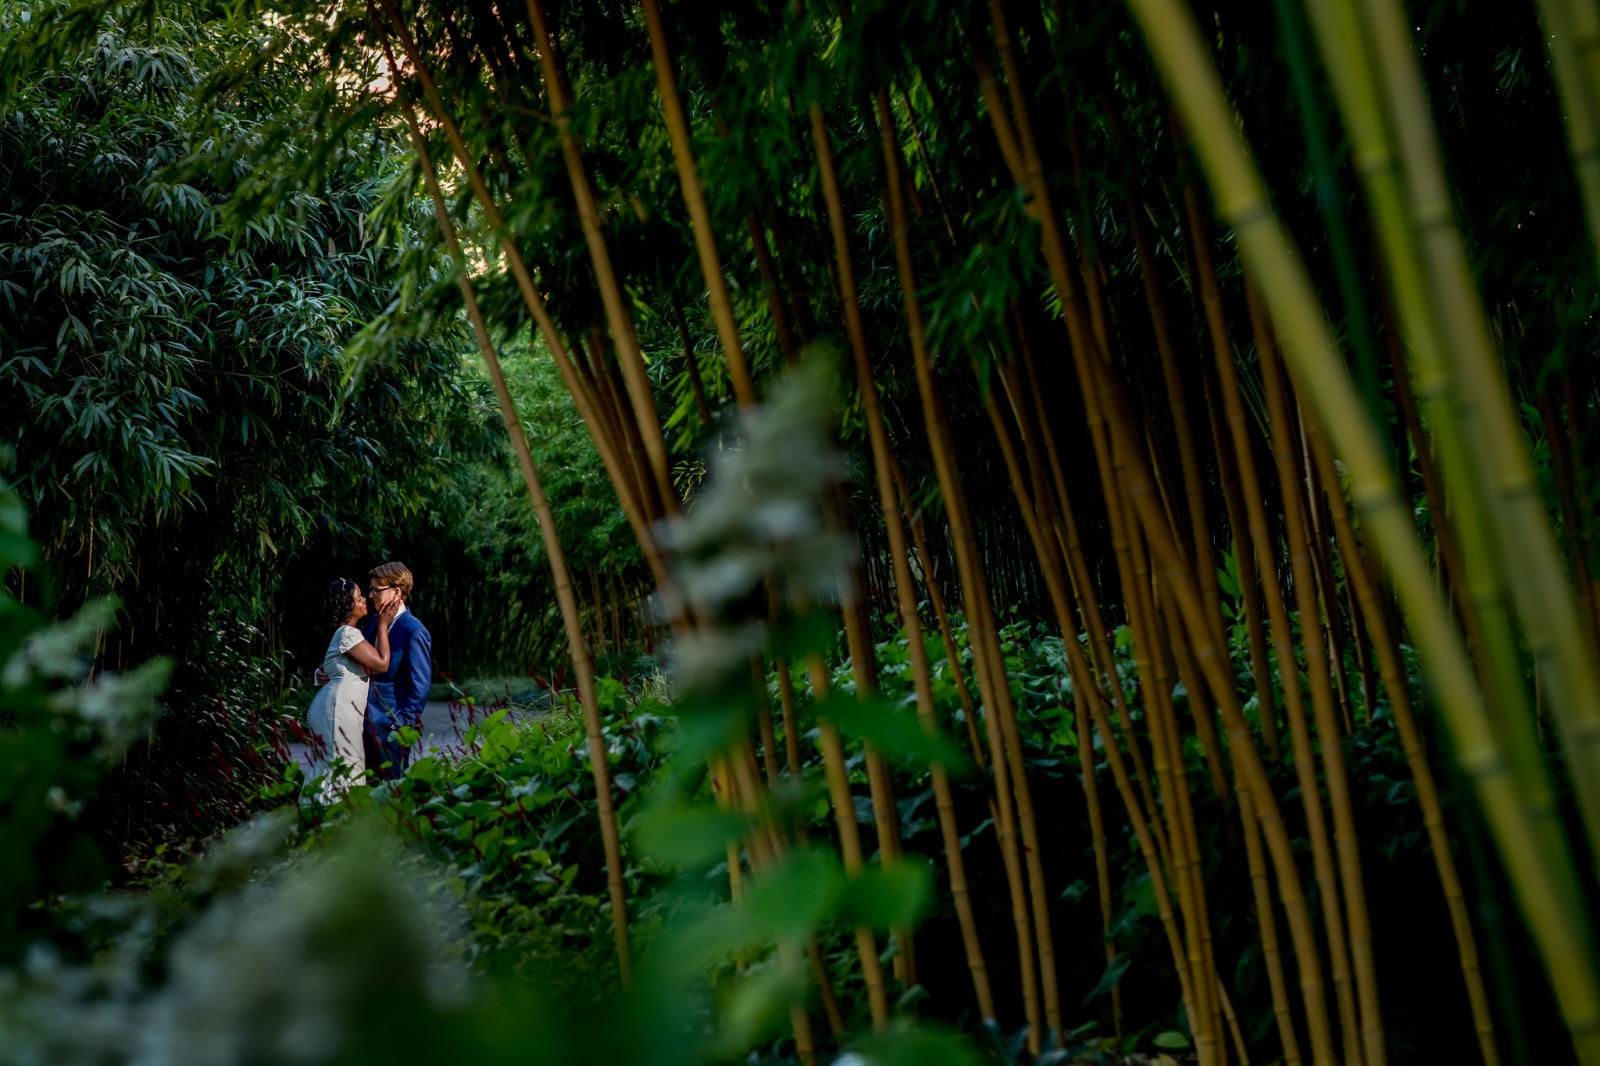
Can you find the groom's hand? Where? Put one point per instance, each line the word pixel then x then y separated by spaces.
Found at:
pixel 320 677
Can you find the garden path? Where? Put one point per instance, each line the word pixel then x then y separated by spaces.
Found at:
pixel 444 725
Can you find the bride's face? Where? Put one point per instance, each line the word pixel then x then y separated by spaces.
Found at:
pixel 358 609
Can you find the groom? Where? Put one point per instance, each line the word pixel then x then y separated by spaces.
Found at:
pixel 396 697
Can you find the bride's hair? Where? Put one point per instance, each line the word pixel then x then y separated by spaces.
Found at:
pixel 339 601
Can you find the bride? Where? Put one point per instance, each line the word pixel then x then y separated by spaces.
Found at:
pixel 339 711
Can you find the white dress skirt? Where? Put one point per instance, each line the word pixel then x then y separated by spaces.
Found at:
pixel 338 715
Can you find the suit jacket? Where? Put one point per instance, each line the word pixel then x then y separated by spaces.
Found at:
pixel 397 696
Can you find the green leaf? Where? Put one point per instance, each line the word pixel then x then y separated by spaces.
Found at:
pixel 687 836
pixel 1141 896
pixel 795 897
pixel 758 1005
pixel 894 730
pixel 1108 980
pixel 1171 1039
pixel 800 637
pixel 888 898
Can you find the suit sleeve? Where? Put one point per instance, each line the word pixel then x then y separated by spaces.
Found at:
pixel 418 666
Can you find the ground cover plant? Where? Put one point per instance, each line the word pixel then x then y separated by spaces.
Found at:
pixel 1067 523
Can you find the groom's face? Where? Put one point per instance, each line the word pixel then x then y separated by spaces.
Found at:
pixel 382 595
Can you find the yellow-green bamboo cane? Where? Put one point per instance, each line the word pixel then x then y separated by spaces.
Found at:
pixel 1387 652
pixel 1339 35
pixel 1572 33
pixel 1578 104
pixel 1544 883
pixel 1526 542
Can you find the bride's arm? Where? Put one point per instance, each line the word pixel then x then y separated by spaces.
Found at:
pixel 375 659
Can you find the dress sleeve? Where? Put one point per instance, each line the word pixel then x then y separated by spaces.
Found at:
pixel 349 637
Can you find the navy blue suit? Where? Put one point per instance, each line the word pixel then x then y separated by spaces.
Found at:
pixel 397 696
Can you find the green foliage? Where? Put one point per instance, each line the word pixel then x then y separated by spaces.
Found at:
pixel 239 364
pixel 456 912
pixel 171 365
pixel 238 372
pixel 57 736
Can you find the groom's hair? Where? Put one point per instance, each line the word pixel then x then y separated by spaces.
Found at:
pixel 397 575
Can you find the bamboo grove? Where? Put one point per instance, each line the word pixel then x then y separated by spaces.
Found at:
pixel 1148 371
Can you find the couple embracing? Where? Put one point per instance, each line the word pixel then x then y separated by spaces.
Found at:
pixel 374 680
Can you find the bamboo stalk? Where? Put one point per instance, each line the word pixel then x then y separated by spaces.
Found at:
pixel 604 444
pixel 1478 575
pixel 1162 633
pixel 1272 955
pixel 1572 516
pixel 942 618
pixel 1407 250
pixel 1522 535
pixel 883 466
pixel 1543 879
pixel 1040 510
pixel 609 395
pixel 1392 672
pixel 1319 552
pixel 1087 695
pixel 1288 667
pixel 1194 684
pixel 1260 539
pixel 1188 451
pixel 612 299
pixel 561 577
pixel 987 664
pixel 1572 28
pixel 1447 545
pixel 1083 589
pixel 691 360
pixel 1352 886
pixel 598 611
pixel 764 727
pixel 844 816
pixel 1020 152
pixel 1244 562
pixel 791 732
pixel 987 658
pixel 1585 535
pixel 616 612
pixel 856 632
pixel 1138 491
pixel 695 200
pixel 1102 866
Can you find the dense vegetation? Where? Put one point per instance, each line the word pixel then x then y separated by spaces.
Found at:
pixel 1118 502
pixel 189 432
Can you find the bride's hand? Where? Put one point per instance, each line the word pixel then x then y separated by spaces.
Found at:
pixel 387 612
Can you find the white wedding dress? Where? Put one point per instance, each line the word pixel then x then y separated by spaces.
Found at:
pixel 338 714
